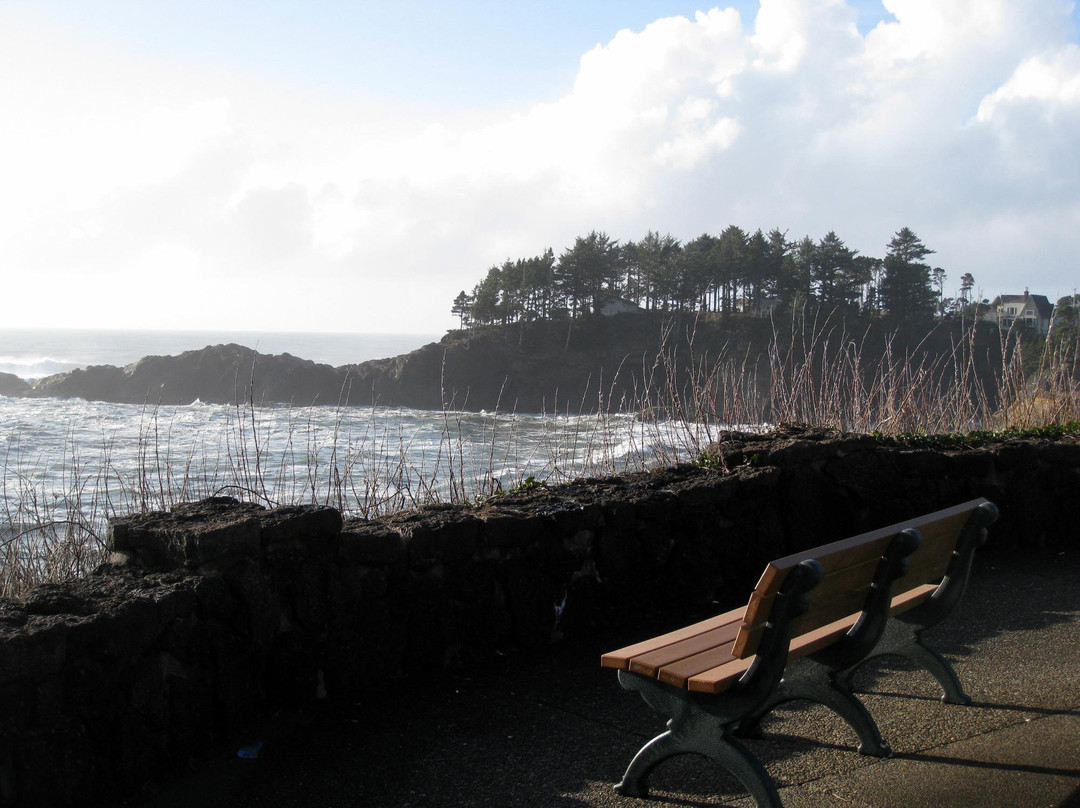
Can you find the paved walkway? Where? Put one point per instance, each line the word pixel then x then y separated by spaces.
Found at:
pixel 552 728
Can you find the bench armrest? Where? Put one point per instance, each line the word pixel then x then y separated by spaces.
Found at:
pixel 767 668
pixel 853 646
pixel 952 587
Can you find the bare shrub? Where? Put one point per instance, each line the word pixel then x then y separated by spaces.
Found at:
pixel 373 461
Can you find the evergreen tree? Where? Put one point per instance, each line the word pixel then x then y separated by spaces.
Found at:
pixel 588 269
pixel 655 263
pixel 538 285
pixel 694 273
pixel 485 308
pixel 462 309
pixel 794 289
pixel 869 272
pixel 967 283
pixel 1066 323
pixel 939 277
pixel 731 266
pixel 511 291
pixel 781 267
pixel 906 292
pixel 759 280
pixel 835 274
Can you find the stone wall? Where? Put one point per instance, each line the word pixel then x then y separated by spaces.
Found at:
pixel 211 615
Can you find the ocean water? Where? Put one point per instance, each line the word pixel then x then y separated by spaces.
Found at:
pixel 73 461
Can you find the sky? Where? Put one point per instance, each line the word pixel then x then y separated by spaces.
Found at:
pixel 350 166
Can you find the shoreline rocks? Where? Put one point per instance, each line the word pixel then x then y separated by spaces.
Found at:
pixel 12 385
pixel 554 366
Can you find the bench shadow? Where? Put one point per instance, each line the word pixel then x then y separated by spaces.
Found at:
pixel 982 764
pixel 985 705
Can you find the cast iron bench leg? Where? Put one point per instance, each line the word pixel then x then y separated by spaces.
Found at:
pixel 699 733
pixel 901 640
pixel 928 658
pixel 833 692
pixel 692 730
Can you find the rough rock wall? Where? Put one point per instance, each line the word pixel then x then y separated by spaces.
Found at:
pixel 217 612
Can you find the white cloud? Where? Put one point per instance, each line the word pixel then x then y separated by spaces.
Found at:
pixel 147 174
pixel 1052 80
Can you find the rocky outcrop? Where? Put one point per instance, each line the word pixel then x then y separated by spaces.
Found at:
pixel 12 385
pixel 219 374
pixel 577 365
pixel 573 366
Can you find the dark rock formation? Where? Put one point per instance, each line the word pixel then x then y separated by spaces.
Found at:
pixel 219 374
pixel 12 385
pixel 560 366
pixel 569 365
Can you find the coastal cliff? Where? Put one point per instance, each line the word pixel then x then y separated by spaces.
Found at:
pixel 577 365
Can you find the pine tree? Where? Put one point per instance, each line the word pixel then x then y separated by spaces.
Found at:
pixel 462 309
pixel 906 290
pixel 837 277
pixel 588 269
pixel 654 262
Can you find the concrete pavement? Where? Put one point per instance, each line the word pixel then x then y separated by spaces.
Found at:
pixel 552 728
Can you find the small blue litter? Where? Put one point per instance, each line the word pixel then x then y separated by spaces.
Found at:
pixel 249 752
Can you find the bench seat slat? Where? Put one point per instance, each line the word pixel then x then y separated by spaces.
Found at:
pixel 912 598
pixel 621 658
pixel 719 679
pixel 725 669
pixel 678 673
pixel 648 664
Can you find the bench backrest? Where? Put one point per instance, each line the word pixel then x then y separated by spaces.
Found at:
pixel 850 566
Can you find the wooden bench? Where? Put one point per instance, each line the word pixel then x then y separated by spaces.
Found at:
pixel 812 618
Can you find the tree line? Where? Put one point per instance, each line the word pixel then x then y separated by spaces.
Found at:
pixel 756 273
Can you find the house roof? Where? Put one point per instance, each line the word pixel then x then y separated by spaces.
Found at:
pixel 1042 305
pixel 605 300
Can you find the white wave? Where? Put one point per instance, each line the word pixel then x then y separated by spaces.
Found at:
pixel 30 368
pixel 122 450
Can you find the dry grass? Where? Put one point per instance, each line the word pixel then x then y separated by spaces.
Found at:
pixel 373 462
pixel 822 374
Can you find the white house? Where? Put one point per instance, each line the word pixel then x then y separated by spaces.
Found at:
pixel 764 308
pixel 1030 311
pixel 609 306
